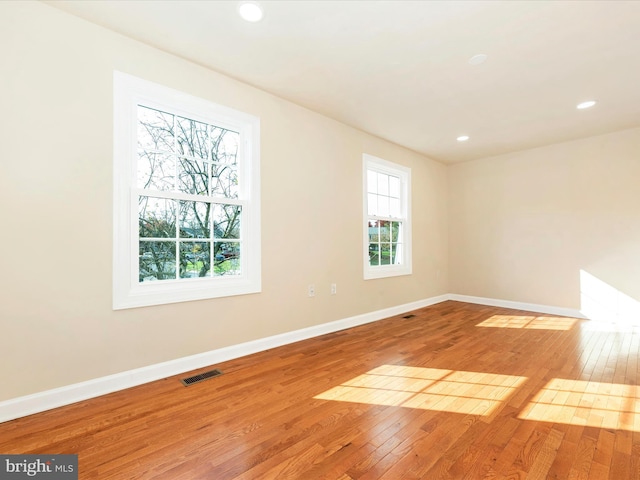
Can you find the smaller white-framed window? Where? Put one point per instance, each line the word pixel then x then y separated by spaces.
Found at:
pixel 186 197
pixel 387 218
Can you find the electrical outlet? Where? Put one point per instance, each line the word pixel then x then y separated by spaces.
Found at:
pixel 311 290
pixel 334 289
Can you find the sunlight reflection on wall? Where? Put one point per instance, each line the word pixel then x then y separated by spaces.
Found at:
pixel 601 302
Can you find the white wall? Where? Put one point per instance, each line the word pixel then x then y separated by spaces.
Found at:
pixel 56 320
pixel 524 225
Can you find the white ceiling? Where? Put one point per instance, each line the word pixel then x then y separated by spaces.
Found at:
pixel 399 69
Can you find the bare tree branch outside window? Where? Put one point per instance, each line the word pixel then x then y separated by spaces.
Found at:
pixel 187 238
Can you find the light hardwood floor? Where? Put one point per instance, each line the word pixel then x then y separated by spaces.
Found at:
pixel 458 391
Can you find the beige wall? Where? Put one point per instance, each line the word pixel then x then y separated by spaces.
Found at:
pixel 523 225
pixel 57 324
pixel 517 227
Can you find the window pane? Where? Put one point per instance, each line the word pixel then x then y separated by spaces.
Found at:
pixel 156 171
pixel 194 219
pixel 374 232
pixel 226 221
pixel 192 138
pixel 155 130
pixel 394 187
pixel 372 181
pixel 395 231
pixel 383 184
pixel 157 261
pixel 394 208
pixel 226 258
pixel 383 206
pixel 224 145
pixel 385 253
pixel 385 231
pixel 225 181
pixel 374 257
pixel 396 253
pixel 372 204
pixel 156 217
pixel 193 177
pixel 195 259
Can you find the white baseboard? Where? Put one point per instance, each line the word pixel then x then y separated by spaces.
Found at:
pixel 530 307
pixel 57 397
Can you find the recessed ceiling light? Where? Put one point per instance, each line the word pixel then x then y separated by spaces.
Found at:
pixel 250 11
pixel 478 59
pixel 587 104
pixel 463 138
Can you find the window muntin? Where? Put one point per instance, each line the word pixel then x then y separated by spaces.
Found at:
pixel 387 236
pixel 186 209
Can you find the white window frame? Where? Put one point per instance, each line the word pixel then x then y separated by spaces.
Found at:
pixel 128 291
pixel 369 162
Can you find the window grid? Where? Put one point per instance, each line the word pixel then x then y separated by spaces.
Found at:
pixel 384 207
pixel 386 187
pixel 195 250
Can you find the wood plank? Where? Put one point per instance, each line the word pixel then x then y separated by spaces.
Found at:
pixel 546 457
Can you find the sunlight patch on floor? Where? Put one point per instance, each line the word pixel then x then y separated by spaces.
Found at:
pixel 594 404
pixel 529 322
pixel 455 391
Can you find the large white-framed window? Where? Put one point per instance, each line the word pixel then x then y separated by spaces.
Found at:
pixel 387 218
pixel 186 197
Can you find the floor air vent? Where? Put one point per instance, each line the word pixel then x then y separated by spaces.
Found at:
pixel 411 315
pixel 201 377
